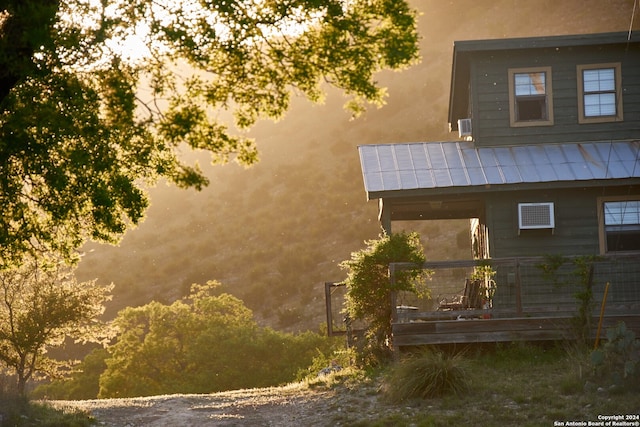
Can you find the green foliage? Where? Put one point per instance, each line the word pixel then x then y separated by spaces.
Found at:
pixel 485 273
pixel 618 361
pixel 582 276
pixel 203 343
pixel 369 287
pixel 41 305
pixel 428 373
pixel 349 377
pixel 19 412
pixel 584 273
pixel 550 268
pixel 335 361
pixel 84 126
pixel 82 383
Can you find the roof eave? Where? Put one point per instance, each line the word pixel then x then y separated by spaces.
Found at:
pixel 572 40
pixel 488 188
pixel 453 124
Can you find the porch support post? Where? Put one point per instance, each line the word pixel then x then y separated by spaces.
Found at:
pixel 384 216
pixel 394 312
pixel 327 302
pixel 392 294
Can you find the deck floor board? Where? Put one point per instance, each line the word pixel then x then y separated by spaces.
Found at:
pixel 498 330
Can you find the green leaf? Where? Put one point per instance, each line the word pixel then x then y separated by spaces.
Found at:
pixel 83 127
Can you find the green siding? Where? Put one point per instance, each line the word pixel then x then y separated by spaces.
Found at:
pixel 576 221
pixel 490 97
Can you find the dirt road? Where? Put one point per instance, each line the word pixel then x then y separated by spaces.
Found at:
pixel 281 406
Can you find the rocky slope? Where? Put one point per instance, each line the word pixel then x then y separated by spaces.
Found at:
pixel 274 233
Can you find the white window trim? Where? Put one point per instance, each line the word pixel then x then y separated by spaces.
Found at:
pixel 512 97
pixel 618 117
pixel 602 236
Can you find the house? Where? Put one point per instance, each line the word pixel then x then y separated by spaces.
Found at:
pixel 545 159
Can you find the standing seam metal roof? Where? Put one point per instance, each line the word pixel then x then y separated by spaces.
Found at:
pixel 430 165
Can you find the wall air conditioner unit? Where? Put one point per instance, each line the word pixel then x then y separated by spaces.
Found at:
pixel 533 216
pixel 464 128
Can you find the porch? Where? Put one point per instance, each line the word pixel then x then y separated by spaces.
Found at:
pixel 535 299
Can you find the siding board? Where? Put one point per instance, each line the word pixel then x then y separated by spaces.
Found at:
pixel 576 222
pixel 492 98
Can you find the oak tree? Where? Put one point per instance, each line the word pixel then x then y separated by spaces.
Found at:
pixel 205 342
pixel 85 125
pixel 42 305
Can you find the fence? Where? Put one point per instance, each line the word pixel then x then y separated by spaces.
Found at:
pixel 532 285
pixel 534 299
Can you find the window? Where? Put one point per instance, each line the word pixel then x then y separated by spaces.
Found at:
pixel 530 100
pixel 619 225
pixel 599 93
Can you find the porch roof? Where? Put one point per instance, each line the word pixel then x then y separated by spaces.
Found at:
pixel 393 169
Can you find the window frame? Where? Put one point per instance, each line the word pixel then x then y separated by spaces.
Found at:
pixel 618 117
pixel 511 72
pixel 602 234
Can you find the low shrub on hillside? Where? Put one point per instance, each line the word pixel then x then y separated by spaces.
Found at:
pixel 205 342
pixel 82 383
pixel 19 411
pixel 325 365
pixel 427 374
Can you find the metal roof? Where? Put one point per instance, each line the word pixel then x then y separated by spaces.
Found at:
pixel 570 40
pixel 437 165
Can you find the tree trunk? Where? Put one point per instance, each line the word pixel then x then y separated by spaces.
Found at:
pixel 22 385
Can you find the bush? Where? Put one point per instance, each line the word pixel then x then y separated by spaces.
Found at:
pixel 617 362
pixel 82 383
pixel 427 374
pixel 337 360
pixel 18 411
pixel 206 342
pixel 369 288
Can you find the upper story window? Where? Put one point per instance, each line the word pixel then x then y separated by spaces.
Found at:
pixel 599 93
pixel 620 225
pixel 530 96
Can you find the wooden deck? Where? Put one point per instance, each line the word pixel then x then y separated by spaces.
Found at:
pixel 479 330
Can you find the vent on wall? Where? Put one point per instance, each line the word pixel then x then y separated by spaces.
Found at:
pixel 533 216
pixel 464 128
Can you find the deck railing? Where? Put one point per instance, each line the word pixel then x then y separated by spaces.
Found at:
pixel 529 304
pixel 525 287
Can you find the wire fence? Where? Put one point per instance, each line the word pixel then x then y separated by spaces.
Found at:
pixel 524 287
pixel 527 286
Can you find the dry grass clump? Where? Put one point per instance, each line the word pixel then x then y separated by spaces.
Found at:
pixel 428 373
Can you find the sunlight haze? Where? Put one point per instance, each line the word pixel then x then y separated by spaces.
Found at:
pixel 273 234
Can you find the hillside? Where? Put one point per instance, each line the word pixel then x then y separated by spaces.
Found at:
pixel 272 234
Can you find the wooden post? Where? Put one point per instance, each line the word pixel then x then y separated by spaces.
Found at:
pixel 392 294
pixel 384 216
pixel 327 299
pixel 604 302
pixel 518 289
pixel 394 311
